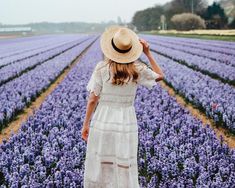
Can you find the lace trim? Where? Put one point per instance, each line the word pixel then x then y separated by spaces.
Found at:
pixel 119 95
pixel 148 77
pixel 116 131
pixel 94 87
pixel 95 82
pixel 110 122
pixel 113 156
pixel 119 165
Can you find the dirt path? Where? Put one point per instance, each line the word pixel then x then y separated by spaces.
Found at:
pixel 8 36
pixel 15 125
pixel 228 138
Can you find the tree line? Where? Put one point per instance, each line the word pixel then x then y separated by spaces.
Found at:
pixel 183 15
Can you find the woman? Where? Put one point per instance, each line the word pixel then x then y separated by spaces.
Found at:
pixel 112 134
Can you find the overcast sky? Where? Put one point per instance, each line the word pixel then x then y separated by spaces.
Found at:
pixel 28 11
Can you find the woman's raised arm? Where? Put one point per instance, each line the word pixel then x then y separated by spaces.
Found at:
pixel 156 68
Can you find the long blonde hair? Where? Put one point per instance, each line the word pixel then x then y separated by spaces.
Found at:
pixel 122 72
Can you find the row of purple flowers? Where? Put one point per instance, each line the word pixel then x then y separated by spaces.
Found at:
pixel 209 95
pixel 216 69
pixel 211 45
pixel 18 51
pixel 20 92
pixel 14 70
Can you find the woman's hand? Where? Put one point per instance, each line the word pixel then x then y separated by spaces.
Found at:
pixel 85 131
pixel 146 48
pixel 91 105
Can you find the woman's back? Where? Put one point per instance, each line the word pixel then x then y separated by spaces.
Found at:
pixel 119 95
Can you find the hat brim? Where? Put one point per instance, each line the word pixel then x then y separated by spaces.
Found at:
pixel 111 53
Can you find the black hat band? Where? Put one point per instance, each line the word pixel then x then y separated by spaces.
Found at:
pixel 119 50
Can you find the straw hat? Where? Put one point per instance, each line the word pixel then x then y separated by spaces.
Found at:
pixel 120 44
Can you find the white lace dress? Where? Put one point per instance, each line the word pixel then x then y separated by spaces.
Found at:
pixel 111 154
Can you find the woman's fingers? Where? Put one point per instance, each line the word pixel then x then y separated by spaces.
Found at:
pixel 141 40
pixel 85 133
pixel 144 42
pixel 84 137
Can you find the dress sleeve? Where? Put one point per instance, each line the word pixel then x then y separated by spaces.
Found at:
pixel 148 77
pixel 95 83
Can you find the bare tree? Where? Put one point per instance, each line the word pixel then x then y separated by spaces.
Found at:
pixel 188 21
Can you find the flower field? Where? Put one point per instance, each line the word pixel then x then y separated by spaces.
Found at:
pixel 19 92
pixel 196 83
pixel 175 149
